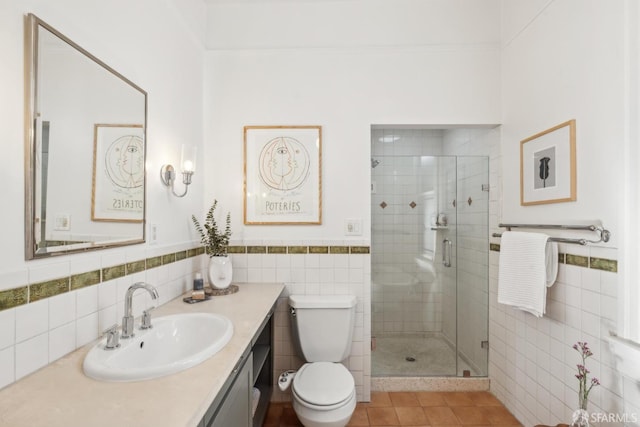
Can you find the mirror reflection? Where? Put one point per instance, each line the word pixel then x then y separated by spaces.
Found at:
pixel 86 148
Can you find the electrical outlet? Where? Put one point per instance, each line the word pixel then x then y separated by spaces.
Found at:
pixel 153 234
pixel 353 227
pixel 62 222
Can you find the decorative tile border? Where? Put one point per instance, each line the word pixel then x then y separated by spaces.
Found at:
pixel 577 260
pixel 136 266
pixel 339 249
pixel 297 249
pixel 15 297
pixel 282 250
pixel 237 250
pixel 114 272
pixel 318 249
pixel 42 290
pixel 83 280
pixel 602 264
pixel 360 249
pixel 154 262
pixel 276 249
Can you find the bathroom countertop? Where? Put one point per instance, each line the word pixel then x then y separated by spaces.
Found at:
pixel 60 395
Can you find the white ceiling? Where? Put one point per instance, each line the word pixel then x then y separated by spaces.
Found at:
pixel 272 1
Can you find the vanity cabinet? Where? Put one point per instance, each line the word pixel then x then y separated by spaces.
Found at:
pixel 262 346
pixel 234 405
pixel 235 409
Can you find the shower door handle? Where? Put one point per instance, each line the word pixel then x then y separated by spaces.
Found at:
pixel 447 246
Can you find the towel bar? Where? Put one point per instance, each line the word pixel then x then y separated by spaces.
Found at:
pixel 603 233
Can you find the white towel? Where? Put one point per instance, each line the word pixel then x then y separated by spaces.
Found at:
pixel 528 264
pixel 551 261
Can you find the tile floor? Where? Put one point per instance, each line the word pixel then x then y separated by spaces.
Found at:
pixel 442 409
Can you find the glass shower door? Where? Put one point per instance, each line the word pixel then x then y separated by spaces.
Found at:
pixel 472 259
pixel 429 265
pixel 446 225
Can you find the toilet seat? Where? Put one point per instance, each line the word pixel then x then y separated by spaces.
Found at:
pixel 324 385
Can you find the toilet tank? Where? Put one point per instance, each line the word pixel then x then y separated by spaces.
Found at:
pixel 322 326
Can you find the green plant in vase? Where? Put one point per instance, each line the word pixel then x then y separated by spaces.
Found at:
pixel 216 245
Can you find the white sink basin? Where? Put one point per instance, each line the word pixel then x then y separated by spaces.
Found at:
pixel 175 343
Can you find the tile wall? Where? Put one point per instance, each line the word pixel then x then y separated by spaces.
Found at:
pixel 532 364
pixel 312 268
pixel 56 307
pixel 36 333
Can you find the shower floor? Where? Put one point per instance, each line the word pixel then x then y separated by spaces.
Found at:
pixel 415 355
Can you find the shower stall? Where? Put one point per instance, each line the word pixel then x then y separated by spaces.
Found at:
pixel 430 253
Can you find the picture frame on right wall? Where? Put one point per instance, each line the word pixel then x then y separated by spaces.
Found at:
pixel 548 166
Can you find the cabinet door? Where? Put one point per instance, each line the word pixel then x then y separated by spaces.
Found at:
pixel 236 408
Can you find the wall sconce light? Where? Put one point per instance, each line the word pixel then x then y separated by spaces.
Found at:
pixel 188 165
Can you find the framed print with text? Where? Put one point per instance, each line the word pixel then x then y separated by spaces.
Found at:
pixel 118 173
pixel 282 175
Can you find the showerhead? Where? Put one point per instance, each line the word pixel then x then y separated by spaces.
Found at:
pixel 374 163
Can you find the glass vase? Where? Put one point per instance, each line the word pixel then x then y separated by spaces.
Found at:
pixel 580 417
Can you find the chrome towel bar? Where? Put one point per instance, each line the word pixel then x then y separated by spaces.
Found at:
pixel 603 234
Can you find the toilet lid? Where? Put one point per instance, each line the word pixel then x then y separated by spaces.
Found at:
pixel 323 383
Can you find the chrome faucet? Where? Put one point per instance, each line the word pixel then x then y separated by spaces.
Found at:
pixel 127 320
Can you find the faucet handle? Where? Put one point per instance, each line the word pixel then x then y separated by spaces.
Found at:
pixel 113 338
pixel 146 319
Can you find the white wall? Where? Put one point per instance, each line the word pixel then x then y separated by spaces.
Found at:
pixel 343 66
pixel 354 23
pixel 257 78
pixel 562 60
pixel 566 63
pixel 150 45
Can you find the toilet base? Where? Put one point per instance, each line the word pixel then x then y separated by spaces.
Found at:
pixel 338 417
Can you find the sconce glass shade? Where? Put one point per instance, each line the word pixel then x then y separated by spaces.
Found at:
pixel 188 156
pixel 188 166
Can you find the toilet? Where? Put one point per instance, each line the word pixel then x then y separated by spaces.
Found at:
pixel 323 390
